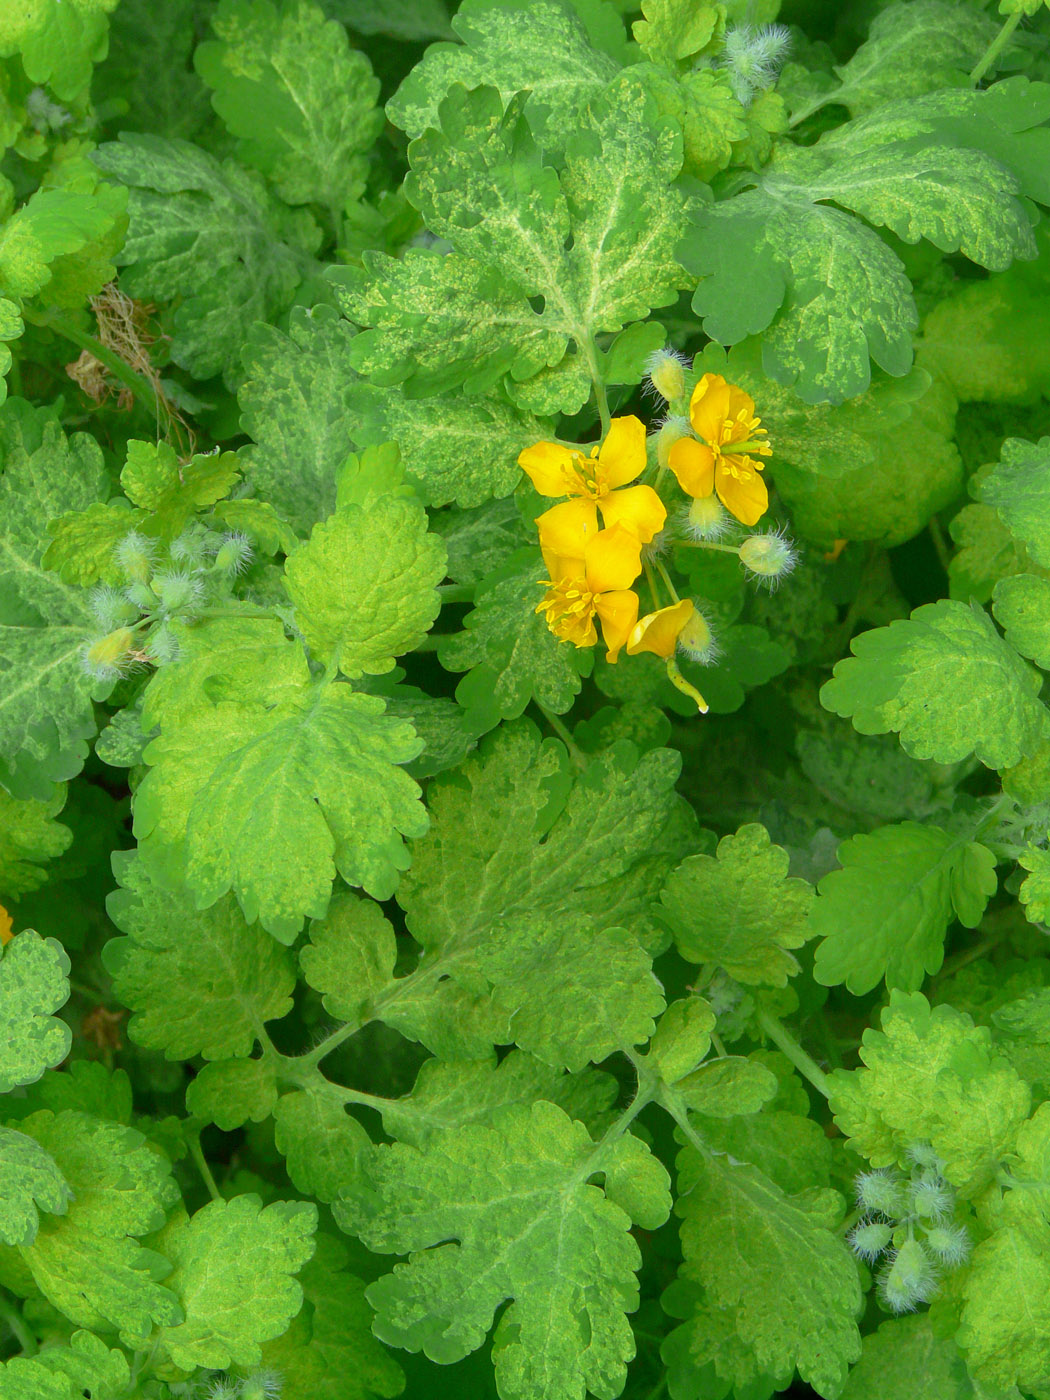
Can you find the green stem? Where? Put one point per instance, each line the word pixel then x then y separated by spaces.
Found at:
pixel 17 1323
pixel 707 544
pixel 667 581
pixel 456 592
pixel 940 544
pixel 601 397
pixel 139 386
pixel 658 1390
pixel 197 1154
pixel 720 1049
pixel 814 106
pixel 788 1045
pixel 995 48
pixel 564 734
pixel 653 590
pixel 326 1047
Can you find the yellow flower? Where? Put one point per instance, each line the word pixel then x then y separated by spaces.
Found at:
pixel 658 631
pixel 5 926
pixel 593 582
pixel 595 480
pixel 723 415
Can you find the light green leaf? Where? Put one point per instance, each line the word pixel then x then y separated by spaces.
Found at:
pixel 55 224
pixel 214 1252
pixel 1022 608
pixel 682 1038
pixel 503 1212
pixel 913 49
pixel 322 1143
pixel 904 1348
pixel 1018 489
pixel 364 585
pixel 541 48
pixel 985 553
pixel 58 1372
pixel 30 1182
pixel 509 652
pixel 886 911
pixel 350 956
pixel 58 43
pixel 931 1076
pixel 33 985
pixel 208 234
pixel 675 30
pixel 776 1262
pixel 946 682
pixel 1034 894
pixel 271 801
pixel 46 715
pixel 515 839
pixel 728 1087
pixel 1005 1323
pixel 82 542
pixel 301 102
pixel 154 479
pixel 739 909
pixel 329 1352
pixel 230 1093
pixel 197 982
pixel 29 836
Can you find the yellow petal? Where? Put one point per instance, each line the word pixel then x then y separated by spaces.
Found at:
pixel 618 611
pixel 550 466
pixel 566 528
pixel 694 466
pixel 638 509
pixel 613 559
pixel 658 631
pixel 622 454
pixel 742 490
pixel 709 407
pixel 5 926
pixel 741 408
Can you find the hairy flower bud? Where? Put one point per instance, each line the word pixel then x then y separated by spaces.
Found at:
pixel 667 373
pixel 163 646
pixel 111 608
pixel 910 1279
pixel 880 1191
pixel 949 1243
pixel 108 658
pixel 869 1238
pixel 234 554
pixel 135 556
pixel 931 1198
pixel 178 590
pixel 667 435
pixel 706 518
pixel 263 1385
pixel 697 641
pixel 768 557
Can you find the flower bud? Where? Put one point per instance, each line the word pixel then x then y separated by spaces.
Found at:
pixel 111 609
pixel 869 1238
pixel 880 1191
pixel 141 596
pixel 706 518
pixel 263 1385
pixel 910 1279
pixel 178 591
pixel 108 658
pixel 234 554
pixel 135 556
pixel 697 640
pixel 931 1199
pixel 191 546
pixel 667 373
pixel 923 1155
pixel 162 646
pixel 949 1243
pixel 768 557
pixel 667 435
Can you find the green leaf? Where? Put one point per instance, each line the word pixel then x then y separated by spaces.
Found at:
pixel 210 235
pixel 739 909
pixel 33 985
pixel 503 1212
pixel 1006 1318
pixel 885 913
pixel 1022 608
pixel 29 835
pixel 329 1352
pixel 58 43
pixel 154 479
pixel 197 982
pixel 272 800
pixel 1018 490
pixel 946 682
pixel 321 1141
pixel 1034 894
pixel 542 48
pixel 401 19
pixel 59 1372
pixel 775 1264
pixel 510 653
pixel 986 552
pixel 912 49
pixel 46 715
pixel 350 956
pixel 31 1182
pixel 214 1252
pixel 675 30
pixel 931 1076
pixel 301 102
pixel 364 585
pixel 514 839
pixel 906 1347
pixel 682 1038
pixel 53 225
pixel 728 1087
pixel 230 1093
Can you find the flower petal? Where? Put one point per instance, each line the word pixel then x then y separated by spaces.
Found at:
pixel 565 530
pixel 618 611
pixel 694 466
pixel 741 408
pixel 622 455
pixel 658 631
pixel 614 559
pixel 709 407
pixel 638 509
pixel 741 490
pixel 550 466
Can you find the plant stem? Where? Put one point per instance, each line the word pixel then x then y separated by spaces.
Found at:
pixel 995 48
pixel 707 544
pixel 601 397
pixel 564 734
pixel 330 1043
pixel 667 580
pixel 17 1323
pixel 658 1390
pixel 197 1154
pixel 456 592
pixel 940 544
pixel 139 386
pixel 788 1045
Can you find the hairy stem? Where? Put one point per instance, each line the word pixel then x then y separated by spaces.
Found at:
pixel 789 1046
pixel 197 1153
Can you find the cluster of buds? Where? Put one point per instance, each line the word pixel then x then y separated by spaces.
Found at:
pixel 161 587
pixel 704 488
pixel 907 1225
pixel 262 1385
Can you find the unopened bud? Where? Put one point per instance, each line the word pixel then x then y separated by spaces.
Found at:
pixel 234 554
pixel 880 1191
pixel 697 640
pixel 869 1239
pixel 706 518
pixel 162 646
pixel 107 658
pixel 768 557
pixel 264 1385
pixel 111 609
pixel 949 1243
pixel 670 431
pixel 910 1280
pixel 135 556
pixel 178 591
pixel 667 374
pixel 931 1198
